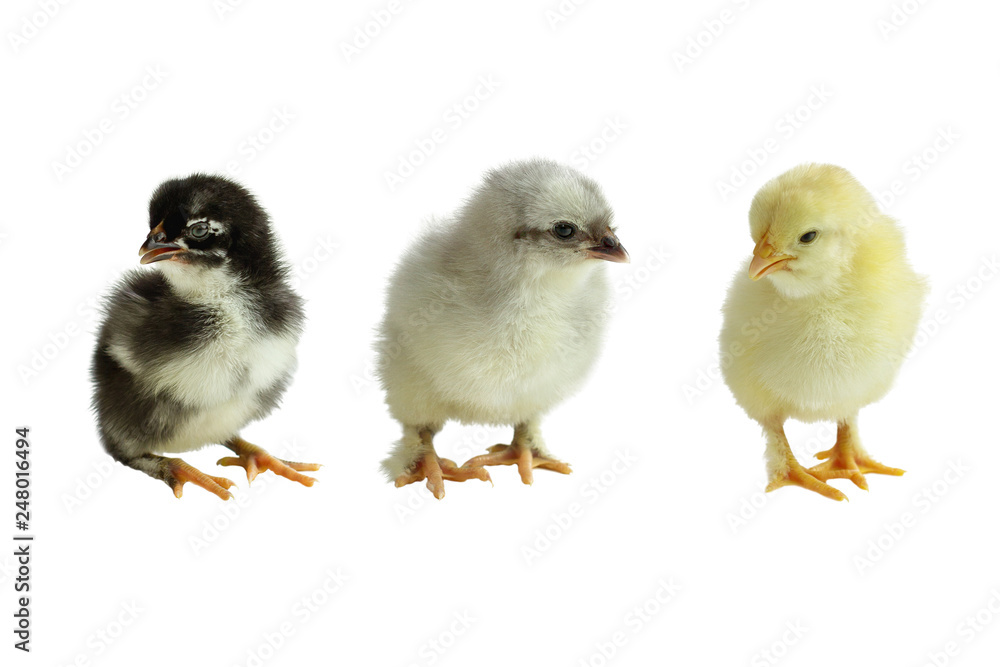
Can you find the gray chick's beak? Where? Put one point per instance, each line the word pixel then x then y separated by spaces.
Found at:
pixel 155 250
pixel 609 249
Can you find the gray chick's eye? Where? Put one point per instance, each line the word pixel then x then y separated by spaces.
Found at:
pixel 198 231
pixel 563 230
pixel 808 237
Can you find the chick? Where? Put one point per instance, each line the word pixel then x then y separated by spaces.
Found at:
pixel 824 321
pixel 190 353
pixel 495 316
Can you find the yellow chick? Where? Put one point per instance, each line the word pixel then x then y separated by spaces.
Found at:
pixel 822 324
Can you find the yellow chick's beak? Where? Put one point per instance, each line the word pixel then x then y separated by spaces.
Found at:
pixel 765 261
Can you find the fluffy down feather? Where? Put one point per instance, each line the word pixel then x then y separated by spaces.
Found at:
pixel 821 326
pixel 490 317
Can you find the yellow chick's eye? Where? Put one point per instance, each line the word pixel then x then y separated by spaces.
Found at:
pixel 807 238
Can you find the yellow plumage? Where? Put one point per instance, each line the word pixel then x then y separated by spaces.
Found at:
pixel 823 322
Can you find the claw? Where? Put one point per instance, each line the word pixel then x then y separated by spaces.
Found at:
pixel 844 462
pixel 524 457
pixel 181 472
pixel 436 470
pixel 255 461
pixel 796 475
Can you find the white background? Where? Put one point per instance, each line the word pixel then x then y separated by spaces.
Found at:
pixel 125 574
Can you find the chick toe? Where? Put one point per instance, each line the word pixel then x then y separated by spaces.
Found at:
pixel 835 468
pixel 796 475
pixel 180 472
pixel 848 460
pixel 525 456
pixel 255 460
pixel 436 470
pixel 846 463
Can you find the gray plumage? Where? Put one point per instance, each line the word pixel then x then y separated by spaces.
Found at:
pixel 496 315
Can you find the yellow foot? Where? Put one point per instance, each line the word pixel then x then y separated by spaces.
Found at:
pixel 525 458
pixel 255 460
pixel 796 475
pixel 181 472
pixel 435 470
pixel 849 465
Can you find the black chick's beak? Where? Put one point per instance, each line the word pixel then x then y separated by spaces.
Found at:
pixel 154 249
pixel 609 249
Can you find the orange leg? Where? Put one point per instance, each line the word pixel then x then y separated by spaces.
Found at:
pixel 180 472
pixel 848 460
pixel 521 453
pixel 436 470
pixel 784 470
pixel 255 460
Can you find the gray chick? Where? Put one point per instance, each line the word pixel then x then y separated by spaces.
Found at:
pixel 495 316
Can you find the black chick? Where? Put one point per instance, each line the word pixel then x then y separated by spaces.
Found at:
pixel 191 353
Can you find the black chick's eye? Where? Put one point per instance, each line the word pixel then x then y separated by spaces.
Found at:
pixel 807 238
pixel 563 230
pixel 198 231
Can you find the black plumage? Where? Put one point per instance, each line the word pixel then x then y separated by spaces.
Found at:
pixel 189 354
